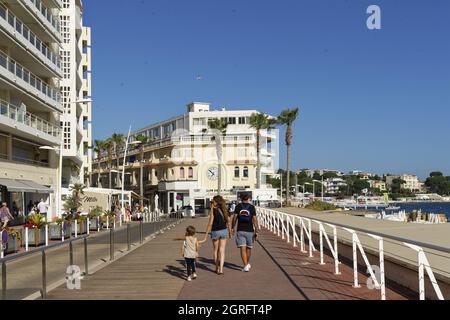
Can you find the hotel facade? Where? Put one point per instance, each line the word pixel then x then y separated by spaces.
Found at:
pixel 34 99
pixel 180 163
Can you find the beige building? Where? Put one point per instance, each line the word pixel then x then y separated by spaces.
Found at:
pixel 75 54
pixel 180 164
pixel 378 184
pixel 412 182
pixel 30 102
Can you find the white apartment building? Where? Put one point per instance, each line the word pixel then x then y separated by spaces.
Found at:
pixel 30 103
pixel 180 164
pixel 75 87
pixel 333 185
pixel 412 182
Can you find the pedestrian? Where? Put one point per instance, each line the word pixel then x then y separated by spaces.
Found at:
pixel 190 252
pixel 128 213
pixel 42 207
pixel 220 228
pixel 232 208
pixel 247 229
pixel 5 215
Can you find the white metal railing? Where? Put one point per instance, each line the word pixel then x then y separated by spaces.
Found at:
pixel 19 71
pixel 21 116
pixel 46 13
pixel 283 224
pixel 31 37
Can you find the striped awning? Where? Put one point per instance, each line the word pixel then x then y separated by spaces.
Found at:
pixel 24 186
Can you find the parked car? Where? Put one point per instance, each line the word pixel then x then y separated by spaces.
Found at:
pixel 188 211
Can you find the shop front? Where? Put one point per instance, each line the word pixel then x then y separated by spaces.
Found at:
pixel 21 196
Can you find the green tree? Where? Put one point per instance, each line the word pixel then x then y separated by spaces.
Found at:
pixel 260 121
pixel 143 141
pixel 118 140
pixel 99 147
pixel 287 118
pixel 437 183
pixel 109 145
pixel 397 185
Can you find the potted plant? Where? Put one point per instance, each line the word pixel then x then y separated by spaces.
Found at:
pixel 95 218
pixel 108 217
pixel 57 230
pixel 14 241
pixel 36 230
pixel 82 221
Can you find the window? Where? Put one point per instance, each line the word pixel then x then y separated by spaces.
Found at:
pixel 245 172
pixel 242 120
pixel 3 12
pixel 191 173
pixel 182 173
pixel 237 172
pixel 232 120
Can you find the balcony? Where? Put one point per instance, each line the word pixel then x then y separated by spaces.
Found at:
pixel 13 115
pixel 37 11
pixel 19 31
pixel 16 75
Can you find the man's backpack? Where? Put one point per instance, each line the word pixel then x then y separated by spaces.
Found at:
pixel 245 216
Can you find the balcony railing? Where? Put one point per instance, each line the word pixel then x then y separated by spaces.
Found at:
pixel 31 162
pixel 12 112
pixel 45 12
pixel 22 29
pixel 19 71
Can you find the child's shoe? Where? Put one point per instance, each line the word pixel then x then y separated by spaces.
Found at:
pixel 194 276
pixel 189 278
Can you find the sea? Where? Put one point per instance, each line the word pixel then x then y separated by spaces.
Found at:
pixel 426 207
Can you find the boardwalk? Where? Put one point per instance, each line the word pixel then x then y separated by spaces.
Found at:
pixel 156 271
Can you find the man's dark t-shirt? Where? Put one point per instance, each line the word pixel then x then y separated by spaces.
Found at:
pixel 245 213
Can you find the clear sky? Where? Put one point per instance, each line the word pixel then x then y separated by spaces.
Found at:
pixel 376 100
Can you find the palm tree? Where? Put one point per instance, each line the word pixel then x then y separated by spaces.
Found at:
pixel 218 127
pixel 118 140
pixel 287 118
pixel 108 145
pixel 260 121
pixel 143 141
pixel 99 147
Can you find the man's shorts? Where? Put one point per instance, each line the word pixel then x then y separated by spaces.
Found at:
pixel 245 239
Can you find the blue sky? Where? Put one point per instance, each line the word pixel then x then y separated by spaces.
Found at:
pixel 370 100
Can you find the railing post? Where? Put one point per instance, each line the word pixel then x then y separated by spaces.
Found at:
pixel 88 226
pixel 62 231
pixel 4 281
pixel 86 264
pixel 141 231
pixel 111 244
pixel 128 237
pixel 46 235
pixel 310 239
pixel 76 228
pixel 26 239
pixel 44 275
pixel 71 253
pixel 321 243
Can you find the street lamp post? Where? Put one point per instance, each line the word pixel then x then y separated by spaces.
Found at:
pixel 123 170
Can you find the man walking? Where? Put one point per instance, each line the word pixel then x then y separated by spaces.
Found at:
pixel 247 229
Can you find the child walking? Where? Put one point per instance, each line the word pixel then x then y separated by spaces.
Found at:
pixel 190 252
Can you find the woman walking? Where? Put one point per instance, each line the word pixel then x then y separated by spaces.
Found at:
pixel 219 226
